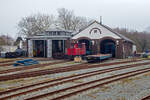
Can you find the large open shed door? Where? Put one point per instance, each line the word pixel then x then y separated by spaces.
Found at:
pixel 107 47
pixel 40 48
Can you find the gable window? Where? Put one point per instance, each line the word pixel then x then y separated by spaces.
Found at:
pixel 95 31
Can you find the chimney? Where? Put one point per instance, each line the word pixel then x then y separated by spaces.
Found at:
pixel 100 19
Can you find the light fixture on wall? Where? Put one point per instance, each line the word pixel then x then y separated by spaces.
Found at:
pixel 117 42
pixel 92 42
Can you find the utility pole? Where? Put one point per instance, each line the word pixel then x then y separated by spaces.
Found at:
pixel 7 38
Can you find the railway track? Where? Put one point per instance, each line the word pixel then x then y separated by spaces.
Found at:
pixel 30 67
pixel 146 98
pixel 56 70
pixel 76 89
pixel 116 78
pixel 70 79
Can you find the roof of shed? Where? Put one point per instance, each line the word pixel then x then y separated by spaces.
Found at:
pixel 108 28
pixel 59 30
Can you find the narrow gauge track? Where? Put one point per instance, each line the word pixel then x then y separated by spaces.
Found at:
pixel 57 70
pixel 116 78
pixel 74 91
pixel 31 67
pixel 65 80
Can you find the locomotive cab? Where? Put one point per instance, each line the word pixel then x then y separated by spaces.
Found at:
pixel 76 50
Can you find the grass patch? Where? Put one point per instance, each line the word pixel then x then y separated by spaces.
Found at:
pixel 146 75
pixel 72 62
pixel 124 81
pixel 78 81
pixel 2 89
pixel 121 98
pixel 90 95
pixel 104 88
pixel 13 81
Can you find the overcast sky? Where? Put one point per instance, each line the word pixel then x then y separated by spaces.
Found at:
pixel 132 14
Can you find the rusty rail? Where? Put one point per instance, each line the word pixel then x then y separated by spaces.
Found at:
pixel 118 77
pixel 56 70
pixel 75 77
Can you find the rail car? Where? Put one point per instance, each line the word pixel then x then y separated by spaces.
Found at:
pixel 76 50
pixel 98 57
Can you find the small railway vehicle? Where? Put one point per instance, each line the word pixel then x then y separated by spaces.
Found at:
pixel 76 50
pixel 98 57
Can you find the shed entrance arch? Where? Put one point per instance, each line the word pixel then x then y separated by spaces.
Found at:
pixel 88 45
pixel 107 46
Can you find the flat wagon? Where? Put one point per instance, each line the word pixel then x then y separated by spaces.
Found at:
pixel 98 57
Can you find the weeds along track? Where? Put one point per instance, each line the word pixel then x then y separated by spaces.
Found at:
pixel 29 88
pixel 54 70
pixel 31 67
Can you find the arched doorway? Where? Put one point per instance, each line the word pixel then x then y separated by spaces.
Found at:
pixel 88 45
pixel 107 46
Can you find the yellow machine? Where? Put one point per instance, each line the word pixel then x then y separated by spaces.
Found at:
pixel 77 59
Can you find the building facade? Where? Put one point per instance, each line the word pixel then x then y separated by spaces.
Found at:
pixel 98 38
pixel 102 39
pixel 48 44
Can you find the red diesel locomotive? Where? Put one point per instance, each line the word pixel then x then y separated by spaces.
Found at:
pixel 76 50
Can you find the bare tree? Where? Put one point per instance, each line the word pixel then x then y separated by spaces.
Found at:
pixel 35 24
pixel 6 40
pixel 141 39
pixel 67 20
pixel 79 22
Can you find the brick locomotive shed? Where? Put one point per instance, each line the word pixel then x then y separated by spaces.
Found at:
pixel 98 38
